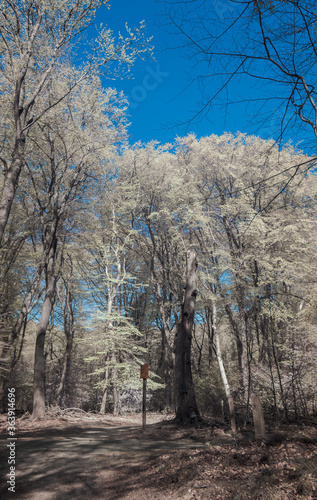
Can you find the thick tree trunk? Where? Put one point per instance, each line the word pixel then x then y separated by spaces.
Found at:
pixel 186 399
pixel 222 370
pixel 39 358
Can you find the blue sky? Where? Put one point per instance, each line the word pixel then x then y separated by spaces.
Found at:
pixel 160 95
pixel 157 94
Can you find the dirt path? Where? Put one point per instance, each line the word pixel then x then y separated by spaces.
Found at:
pixel 112 459
pixel 90 460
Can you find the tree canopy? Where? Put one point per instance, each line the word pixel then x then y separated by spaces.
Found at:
pixel 196 257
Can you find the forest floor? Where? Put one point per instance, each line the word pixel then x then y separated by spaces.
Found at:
pixel 77 456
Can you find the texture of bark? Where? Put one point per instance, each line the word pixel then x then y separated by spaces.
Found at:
pixel 68 314
pixel 105 390
pixel 39 358
pixel 186 399
pixel 222 370
pixel 10 185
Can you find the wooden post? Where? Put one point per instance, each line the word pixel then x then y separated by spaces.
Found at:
pixel 144 405
pixel 144 374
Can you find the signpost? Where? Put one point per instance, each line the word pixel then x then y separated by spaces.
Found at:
pixel 144 374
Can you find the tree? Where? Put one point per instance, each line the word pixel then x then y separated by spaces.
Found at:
pixel 215 193
pixel 156 184
pixel 251 240
pixel 34 38
pixel 275 58
pixel 243 325
pixel 21 272
pixel 186 406
pixel 68 313
pixel 72 144
pixel 115 339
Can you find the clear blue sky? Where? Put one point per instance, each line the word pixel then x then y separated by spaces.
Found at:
pixel 159 94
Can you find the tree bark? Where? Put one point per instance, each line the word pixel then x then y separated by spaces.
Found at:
pixel 222 370
pixel 10 185
pixel 21 318
pixel 62 387
pixel 186 399
pixel 105 390
pixel 116 391
pixel 7 362
pixel 166 364
pixel 165 312
pixel 39 358
pixel 69 332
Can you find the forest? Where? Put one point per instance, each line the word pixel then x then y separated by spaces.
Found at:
pixel 197 257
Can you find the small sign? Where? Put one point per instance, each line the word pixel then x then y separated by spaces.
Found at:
pixel 144 371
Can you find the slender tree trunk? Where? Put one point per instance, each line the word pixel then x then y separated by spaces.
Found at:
pixel 6 362
pixel 65 371
pixel 114 370
pixel 246 376
pixel 277 411
pixel 10 185
pixel 63 384
pixel 166 355
pixel 241 333
pixel 21 319
pixel 279 375
pixel 105 390
pixel 39 358
pixel 186 404
pixel 222 370
pixel 116 392
pixel 239 327
pixel 165 331
pixel 69 332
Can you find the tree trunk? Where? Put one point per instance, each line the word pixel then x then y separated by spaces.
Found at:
pixel 20 321
pixel 116 392
pixel 246 375
pixel 166 364
pixel 279 377
pixel 105 390
pixel 222 370
pixel 11 183
pixel 69 332
pixel 66 368
pixel 3 396
pixel 39 358
pixel 186 399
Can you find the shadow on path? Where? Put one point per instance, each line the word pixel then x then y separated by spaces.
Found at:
pixel 77 462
